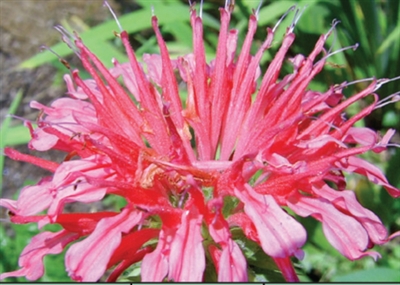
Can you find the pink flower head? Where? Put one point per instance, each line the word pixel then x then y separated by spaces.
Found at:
pixel 229 158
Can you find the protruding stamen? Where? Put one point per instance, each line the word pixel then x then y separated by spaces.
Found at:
pixel 333 29
pixel 388 100
pixel 334 24
pixel 68 38
pixel 231 6
pixel 384 81
pixel 117 35
pixel 18 118
pixel 329 124
pixel 353 47
pixel 105 3
pixel 257 12
pixel 346 84
pixel 201 10
pixel 64 32
pixel 296 18
pixel 283 17
pixel 393 145
pixel 63 61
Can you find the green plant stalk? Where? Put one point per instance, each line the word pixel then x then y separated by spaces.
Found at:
pixel 5 129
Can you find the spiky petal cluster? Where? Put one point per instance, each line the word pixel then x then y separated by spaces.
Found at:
pixel 230 159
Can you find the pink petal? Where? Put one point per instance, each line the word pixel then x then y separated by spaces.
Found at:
pixel 43 141
pixel 243 221
pixel 31 258
pixel 374 174
pixel 154 64
pixel 286 267
pixel 129 78
pixel 11 205
pixel 218 78
pixel 187 259
pixel 71 88
pixel 347 201
pixel 87 260
pixel 155 264
pixel 232 264
pixel 280 234
pixel 16 155
pixel 35 199
pixel 345 233
pixel 363 136
pixel 244 77
pixel 169 85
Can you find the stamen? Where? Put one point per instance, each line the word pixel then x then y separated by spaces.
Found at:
pixel 388 100
pixel 182 198
pixel 296 18
pixel 382 81
pixel 334 24
pixel 63 61
pixel 23 120
pixel 394 97
pixel 152 11
pixel 105 3
pixel 345 84
pixel 354 47
pixel 283 17
pixel 341 86
pixel 231 6
pixel 69 39
pixel 333 29
pixel 201 10
pixel 393 144
pixel 257 12
pixel 329 124
pixel 63 31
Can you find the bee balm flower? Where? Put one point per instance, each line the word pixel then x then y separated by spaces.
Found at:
pixel 230 158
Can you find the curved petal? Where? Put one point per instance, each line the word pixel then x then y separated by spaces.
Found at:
pixel 187 259
pixel 345 233
pixel 31 258
pixel 232 264
pixel 347 201
pixel 155 264
pixel 87 260
pixel 280 234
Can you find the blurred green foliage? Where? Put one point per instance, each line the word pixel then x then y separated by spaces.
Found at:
pixel 374 24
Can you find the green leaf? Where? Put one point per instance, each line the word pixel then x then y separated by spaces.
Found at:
pixel 270 13
pixel 5 132
pixel 17 135
pixel 390 119
pixel 96 37
pixel 392 39
pixel 379 274
pixel 6 123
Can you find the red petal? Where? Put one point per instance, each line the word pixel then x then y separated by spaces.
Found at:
pixel 280 234
pixel 16 155
pixel 87 260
